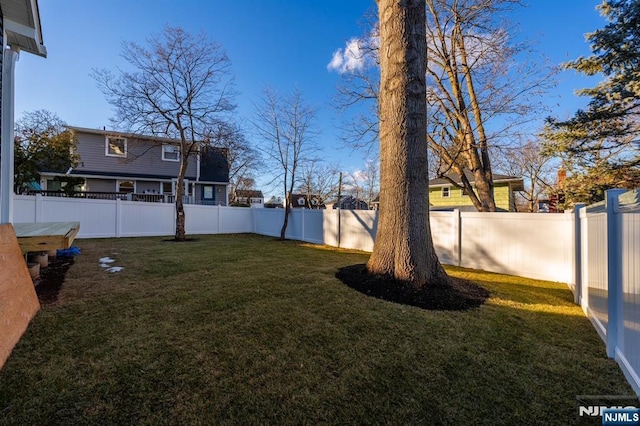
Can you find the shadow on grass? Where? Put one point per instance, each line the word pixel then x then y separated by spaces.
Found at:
pixel 51 279
pixel 458 295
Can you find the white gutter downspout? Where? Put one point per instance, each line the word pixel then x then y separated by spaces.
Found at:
pixel 10 57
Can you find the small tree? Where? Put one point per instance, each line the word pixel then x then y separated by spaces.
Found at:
pixel 243 159
pixel 180 88
pixel 529 161
pixel 285 124
pixel 404 248
pixel 318 180
pixel 42 143
pixel 365 184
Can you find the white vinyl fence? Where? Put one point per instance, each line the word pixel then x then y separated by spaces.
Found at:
pixel 608 285
pixel 595 250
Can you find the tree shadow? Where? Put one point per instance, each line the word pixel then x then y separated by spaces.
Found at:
pixel 457 295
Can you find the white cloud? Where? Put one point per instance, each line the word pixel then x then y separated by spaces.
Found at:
pixel 352 58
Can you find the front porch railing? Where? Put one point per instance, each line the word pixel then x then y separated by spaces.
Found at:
pixel 128 196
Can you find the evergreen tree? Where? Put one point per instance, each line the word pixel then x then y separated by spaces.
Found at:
pixel 599 145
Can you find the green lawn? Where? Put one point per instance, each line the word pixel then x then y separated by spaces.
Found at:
pixel 244 329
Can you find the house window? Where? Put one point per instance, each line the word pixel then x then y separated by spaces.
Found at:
pixel 126 186
pixel 446 193
pixel 207 192
pixel 167 188
pixel 53 185
pixel 116 147
pixel 170 153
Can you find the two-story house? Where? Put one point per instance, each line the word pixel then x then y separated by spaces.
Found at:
pixel 145 167
pixel 444 195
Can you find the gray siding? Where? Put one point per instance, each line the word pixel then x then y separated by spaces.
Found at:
pixel 143 158
pixel 100 185
pixel 218 194
pixel 145 185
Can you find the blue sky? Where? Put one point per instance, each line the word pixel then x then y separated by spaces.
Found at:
pixel 281 43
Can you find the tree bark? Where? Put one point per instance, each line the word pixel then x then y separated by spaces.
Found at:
pixel 285 222
pixel 180 216
pixel 404 248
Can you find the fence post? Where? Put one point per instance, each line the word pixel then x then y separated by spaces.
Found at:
pixel 614 269
pixel 38 207
pixel 577 255
pixel 457 236
pixel 253 220
pixel 218 218
pixel 339 210
pixel 118 216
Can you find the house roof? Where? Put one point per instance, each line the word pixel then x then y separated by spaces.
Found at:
pixel 308 200
pixel 214 167
pixel 249 193
pixel 105 132
pixel 497 178
pixel 22 25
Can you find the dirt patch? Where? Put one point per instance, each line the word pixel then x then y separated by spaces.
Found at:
pixel 458 295
pixel 51 279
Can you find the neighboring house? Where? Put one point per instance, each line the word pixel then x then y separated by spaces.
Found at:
pixel 348 202
pixel 274 203
pixel 20 31
pixel 443 195
pixel 144 168
pixel 304 201
pixel 250 197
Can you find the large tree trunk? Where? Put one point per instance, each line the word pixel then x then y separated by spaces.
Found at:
pixel 403 247
pixel 180 217
pixel 287 210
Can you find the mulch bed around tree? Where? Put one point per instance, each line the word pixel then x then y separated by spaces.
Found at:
pixel 51 279
pixel 457 295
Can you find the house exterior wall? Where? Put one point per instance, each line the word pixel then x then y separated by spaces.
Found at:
pixel 502 193
pixel 148 186
pixel 143 158
pixel 217 191
pixel 100 185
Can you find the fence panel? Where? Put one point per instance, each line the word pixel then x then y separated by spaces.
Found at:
pixel 294 225
pixel 531 245
pixel 97 217
pixel 24 209
pixel 235 220
pixel 141 219
pixel 629 346
pixel 268 221
pixel 201 219
pixel 595 262
pixel 313 230
pixel 445 228
pixel 358 229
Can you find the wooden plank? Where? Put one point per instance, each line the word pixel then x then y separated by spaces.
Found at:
pixel 18 300
pixel 46 235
